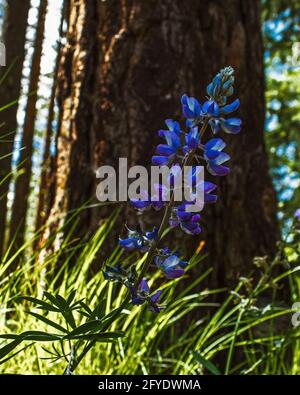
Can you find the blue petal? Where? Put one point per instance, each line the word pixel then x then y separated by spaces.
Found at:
pixel 128 244
pixel 222 157
pixel 172 138
pixel 160 160
pixel 152 235
pixel 211 107
pixel 173 126
pixel 211 154
pixel 140 204
pixel 165 150
pixel 190 107
pixel 155 298
pixel 210 89
pixel 195 218
pixel 183 264
pixel 230 107
pixel 192 138
pixel 191 228
pixel 215 144
pixel 217 170
pixel 209 186
pixel 215 125
pixel 170 262
pixel 137 300
pixel 231 125
pixel 174 273
pixel 144 287
pixel 208 198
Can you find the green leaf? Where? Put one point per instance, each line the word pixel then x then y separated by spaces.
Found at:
pixel 84 328
pixel 56 302
pixel 42 305
pixel 86 308
pixel 32 335
pixel 8 348
pixel 15 353
pixel 110 318
pixel 47 321
pixel 71 297
pixel 206 363
pixel 101 336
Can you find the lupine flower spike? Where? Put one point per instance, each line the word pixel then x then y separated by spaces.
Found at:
pixel 211 117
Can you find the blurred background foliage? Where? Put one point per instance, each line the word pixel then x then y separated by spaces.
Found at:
pixel 281 28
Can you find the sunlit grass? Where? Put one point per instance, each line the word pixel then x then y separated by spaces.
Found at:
pixel 193 335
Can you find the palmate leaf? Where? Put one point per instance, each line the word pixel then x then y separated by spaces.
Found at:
pixel 28 335
pixel 63 307
pixel 57 301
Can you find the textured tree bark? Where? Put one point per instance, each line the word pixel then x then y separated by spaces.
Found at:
pixel 13 36
pixel 22 185
pixel 125 66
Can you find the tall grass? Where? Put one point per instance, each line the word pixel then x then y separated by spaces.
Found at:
pixel 250 332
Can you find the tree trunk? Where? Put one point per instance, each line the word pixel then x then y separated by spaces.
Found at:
pixel 13 36
pixel 43 202
pixel 125 66
pixel 22 186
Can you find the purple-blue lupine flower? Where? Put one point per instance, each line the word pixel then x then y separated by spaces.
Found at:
pixel 131 243
pixel 215 158
pixel 143 295
pixel 191 108
pixel 114 273
pixel 138 241
pixel 167 152
pixel 143 203
pixel 138 298
pixel 117 273
pixel 153 302
pixel 191 139
pixel 215 125
pixel 172 265
pixel 231 125
pixel 210 108
pixel 206 186
pixel 230 107
pixel 297 214
pixel 157 200
pixel 188 221
pixel 221 86
pixel 173 126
